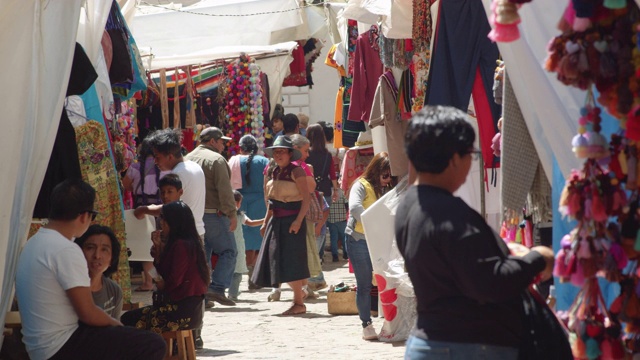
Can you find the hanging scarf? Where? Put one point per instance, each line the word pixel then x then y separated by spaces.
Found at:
pixel 403 100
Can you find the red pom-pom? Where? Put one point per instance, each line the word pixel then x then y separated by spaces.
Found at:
pixel 505 33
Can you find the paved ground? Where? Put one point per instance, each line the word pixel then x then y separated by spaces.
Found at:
pixel 254 328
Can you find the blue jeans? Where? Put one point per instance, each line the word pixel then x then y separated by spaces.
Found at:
pixel 320 243
pixel 420 349
pixel 234 289
pixel 336 232
pixel 363 270
pixel 220 241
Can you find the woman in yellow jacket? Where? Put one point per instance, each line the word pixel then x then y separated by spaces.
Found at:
pixel 365 190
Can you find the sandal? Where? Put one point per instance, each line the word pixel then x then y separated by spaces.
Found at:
pixel 140 289
pixel 292 310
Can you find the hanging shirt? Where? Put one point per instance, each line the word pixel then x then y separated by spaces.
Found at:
pixel 384 112
pixel 367 68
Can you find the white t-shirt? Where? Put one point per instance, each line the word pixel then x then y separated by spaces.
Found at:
pixel 194 190
pixel 49 265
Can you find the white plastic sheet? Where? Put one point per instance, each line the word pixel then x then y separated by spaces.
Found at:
pixel 38 39
pixel 388 265
pixel 139 235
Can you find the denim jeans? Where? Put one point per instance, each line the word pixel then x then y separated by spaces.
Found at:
pixel 420 349
pixel 363 270
pixel 336 232
pixel 234 289
pixel 219 240
pixel 320 243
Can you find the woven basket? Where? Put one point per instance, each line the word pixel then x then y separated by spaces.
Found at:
pixel 342 303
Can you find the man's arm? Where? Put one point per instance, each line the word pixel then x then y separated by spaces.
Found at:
pixel 153 210
pixel 87 311
pixel 222 179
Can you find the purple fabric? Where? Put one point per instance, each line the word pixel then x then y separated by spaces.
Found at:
pixel 367 69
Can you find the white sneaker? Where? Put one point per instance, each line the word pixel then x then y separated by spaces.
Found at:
pixel 369 333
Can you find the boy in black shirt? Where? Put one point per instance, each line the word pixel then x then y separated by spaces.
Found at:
pixel 467 285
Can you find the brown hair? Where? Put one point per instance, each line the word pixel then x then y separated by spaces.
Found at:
pixel 315 134
pixel 378 165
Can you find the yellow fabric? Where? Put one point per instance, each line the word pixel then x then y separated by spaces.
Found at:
pixel 368 200
pixel 337 119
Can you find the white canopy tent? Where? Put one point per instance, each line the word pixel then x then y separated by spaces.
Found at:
pixel 38 39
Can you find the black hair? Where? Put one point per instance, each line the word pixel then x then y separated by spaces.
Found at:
pixel 71 198
pixel 167 142
pixel 249 145
pixel 96 229
pixel 278 112
pixel 328 130
pixel 289 123
pixel 182 226
pixel 237 196
pixel 170 180
pixel 434 135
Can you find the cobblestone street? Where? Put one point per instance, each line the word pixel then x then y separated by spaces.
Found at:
pixel 254 328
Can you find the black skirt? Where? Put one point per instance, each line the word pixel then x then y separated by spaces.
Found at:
pixel 283 255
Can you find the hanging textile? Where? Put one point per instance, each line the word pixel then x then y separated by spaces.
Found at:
pixel 405 94
pixel 63 162
pixel 352 32
pixel 521 165
pixel 384 112
pixel 366 72
pixel 190 118
pixel 467 68
pixel 396 52
pixel 164 100
pixel 422 33
pixel 337 119
pixel 121 69
pixel 176 101
pixel 312 49
pixel 97 169
pixel 297 67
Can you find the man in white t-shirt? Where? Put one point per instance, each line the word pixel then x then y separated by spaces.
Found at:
pixel 167 151
pixel 59 317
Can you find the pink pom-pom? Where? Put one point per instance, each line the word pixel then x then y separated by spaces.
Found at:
pixel 581 24
pixel 584 252
pixel 560 267
pixel 504 33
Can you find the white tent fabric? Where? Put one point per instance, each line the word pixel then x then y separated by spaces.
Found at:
pixel 550 108
pixel 170 33
pixel 40 37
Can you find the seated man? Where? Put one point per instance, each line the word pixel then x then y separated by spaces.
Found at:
pixel 102 251
pixel 59 317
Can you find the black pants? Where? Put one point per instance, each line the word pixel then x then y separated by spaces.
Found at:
pixel 112 342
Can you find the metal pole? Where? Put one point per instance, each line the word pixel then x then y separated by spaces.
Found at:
pixel 483 211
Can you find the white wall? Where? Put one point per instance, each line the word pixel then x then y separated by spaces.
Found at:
pixel 320 101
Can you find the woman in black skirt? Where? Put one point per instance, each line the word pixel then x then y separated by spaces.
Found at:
pixel 283 255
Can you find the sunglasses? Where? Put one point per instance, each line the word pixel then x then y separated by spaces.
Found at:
pixel 385 176
pixel 475 153
pixel 93 214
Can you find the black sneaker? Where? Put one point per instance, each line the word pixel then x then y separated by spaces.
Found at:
pixel 199 343
pixel 335 258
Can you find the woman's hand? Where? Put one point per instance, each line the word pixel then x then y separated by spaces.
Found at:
pixel 295 226
pixel 319 229
pixel 263 229
pixel 158 244
pixel 547 254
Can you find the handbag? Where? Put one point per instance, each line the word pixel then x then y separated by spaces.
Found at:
pixel 321 177
pixel 544 337
pixel 314 214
